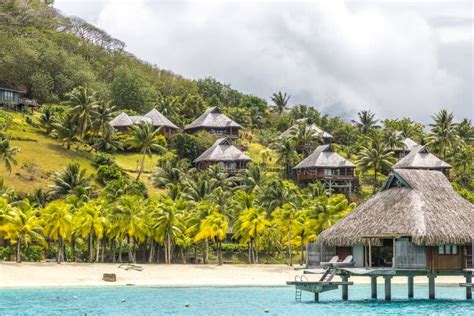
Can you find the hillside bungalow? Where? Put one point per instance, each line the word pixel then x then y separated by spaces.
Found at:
pixel 326 137
pixel 326 165
pixel 420 158
pixel 222 152
pixel 408 145
pixel 123 122
pixel 15 100
pixel 417 222
pixel 215 122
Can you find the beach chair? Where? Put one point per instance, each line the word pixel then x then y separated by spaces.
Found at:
pixel 347 262
pixel 330 262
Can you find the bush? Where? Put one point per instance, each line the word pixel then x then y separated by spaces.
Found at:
pixel 106 173
pixel 33 253
pixel 6 253
pixel 102 159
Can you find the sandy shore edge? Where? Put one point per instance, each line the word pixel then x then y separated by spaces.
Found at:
pixel 27 275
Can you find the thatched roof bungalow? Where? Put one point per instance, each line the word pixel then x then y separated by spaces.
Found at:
pixel 326 137
pixel 328 166
pixel 123 122
pixel 416 221
pixel 408 145
pixel 215 122
pixel 222 152
pixel 420 158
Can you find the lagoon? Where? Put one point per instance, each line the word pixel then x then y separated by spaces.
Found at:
pixel 132 300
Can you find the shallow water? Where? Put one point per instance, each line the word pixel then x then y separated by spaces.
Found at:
pixel 228 301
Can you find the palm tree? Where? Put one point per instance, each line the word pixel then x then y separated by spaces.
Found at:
pixel 251 223
pixel 21 228
pixel 7 153
pixel 47 119
pixel 107 142
pixel 144 139
pixel 286 217
pixel 304 137
pixel 198 188
pixel 366 121
pixel 392 139
pixel 169 172
pixel 463 161
pixel 328 210
pixel 287 155
pixel 375 156
pixel 73 180
pixel 58 221
pixel 443 132
pixel 65 131
pixel 168 106
pixel 90 220
pixel 250 179
pixel 84 104
pixel 276 193
pixel 465 131
pixel 214 227
pixel 101 117
pixel 281 101
pixel 168 227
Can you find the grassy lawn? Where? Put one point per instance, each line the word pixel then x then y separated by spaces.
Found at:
pixel 131 161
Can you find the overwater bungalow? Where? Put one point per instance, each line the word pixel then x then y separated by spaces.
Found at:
pixel 123 122
pixel 215 122
pixel 222 152
pixel 16 100
pixel 417 225
pixel 420 158
pixel 326 137
pixel 408 145
pixel 324 164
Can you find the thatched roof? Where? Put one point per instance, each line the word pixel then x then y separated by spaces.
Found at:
pixel 420 158
pixel 420 204
pixel 408 143
pixel 324 157
pixel 222 150
pixel 212 118
pixel 159 119
pixel 121 120
pixel 312 127
pixel 153 117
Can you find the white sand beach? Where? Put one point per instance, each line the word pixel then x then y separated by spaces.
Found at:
pixel 83 274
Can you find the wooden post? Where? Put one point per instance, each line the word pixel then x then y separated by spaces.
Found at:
pixel 316 297
pixel 468 288
pixel 431 286
pixel 388 288
pixel 370 253
pixel 394 254
pixel 345 288
pixel 410 287
pixel 373 286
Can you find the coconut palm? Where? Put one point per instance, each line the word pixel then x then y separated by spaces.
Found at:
pixel 287 155
pixel 144 138
pixel 375 156
pixel 198 188
pixel 101 117
pixel 84 105
pixel 286 216
pixel 250 225
pixel 22 227
pixel 214 227
pixel 280 100
pixel 392 139
pixel 91 222
pixel 73 180
pixel 250 179
pixel 304 137
pixel 276 193
pixel 465 131
pixel 47 119
pixel 366 121
pixel 7 153
pixel 58 220
pixel 443 132
pixel 202 210
pixel 65 130
pixel 329 210
pixel 107 141
pixel 169 172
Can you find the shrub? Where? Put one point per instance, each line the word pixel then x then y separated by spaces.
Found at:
pixel 106 173
pixel 102 159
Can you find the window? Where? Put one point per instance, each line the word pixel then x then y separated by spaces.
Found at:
pixel 327 172
pixel 448 249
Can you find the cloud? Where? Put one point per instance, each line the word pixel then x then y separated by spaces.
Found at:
pixel 338 56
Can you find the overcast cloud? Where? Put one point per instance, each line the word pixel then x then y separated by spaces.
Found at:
pixel 396 58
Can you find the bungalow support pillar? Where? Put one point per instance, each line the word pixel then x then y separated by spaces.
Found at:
pixel 370 253
pixel 316 297
pixel 345 288
pixel 410 286
pixel 431 286
pixel 373 287
pixel 468 288
pixel 388 288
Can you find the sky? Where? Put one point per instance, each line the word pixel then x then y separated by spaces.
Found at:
pixel 399 58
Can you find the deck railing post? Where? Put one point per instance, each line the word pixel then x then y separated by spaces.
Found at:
pixel 373 287
pixel 468 288
pixel 410 287
pixel 316 297
pixel 388 288
pixel 431 286
pixel 345 288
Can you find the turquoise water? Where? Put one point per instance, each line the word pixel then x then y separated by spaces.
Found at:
pixel 227 301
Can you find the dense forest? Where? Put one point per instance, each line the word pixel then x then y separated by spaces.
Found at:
pixel 98 208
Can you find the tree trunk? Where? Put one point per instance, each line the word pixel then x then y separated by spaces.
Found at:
pixel 113 250
pixel 97 251
pixel 91 247
pixel 250 252
pixel 169 249
pixel 17 251
pixel 73 246
pixel 302 253
pixel 219 253
pixel 195 254
pixel 152 251
pixel 256 249
pixel 183 255
pixel 289 246
pixel 142 164
pixel 102 257
pixel 59 256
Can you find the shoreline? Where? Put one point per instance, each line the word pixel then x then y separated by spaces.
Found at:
pixel 67 275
